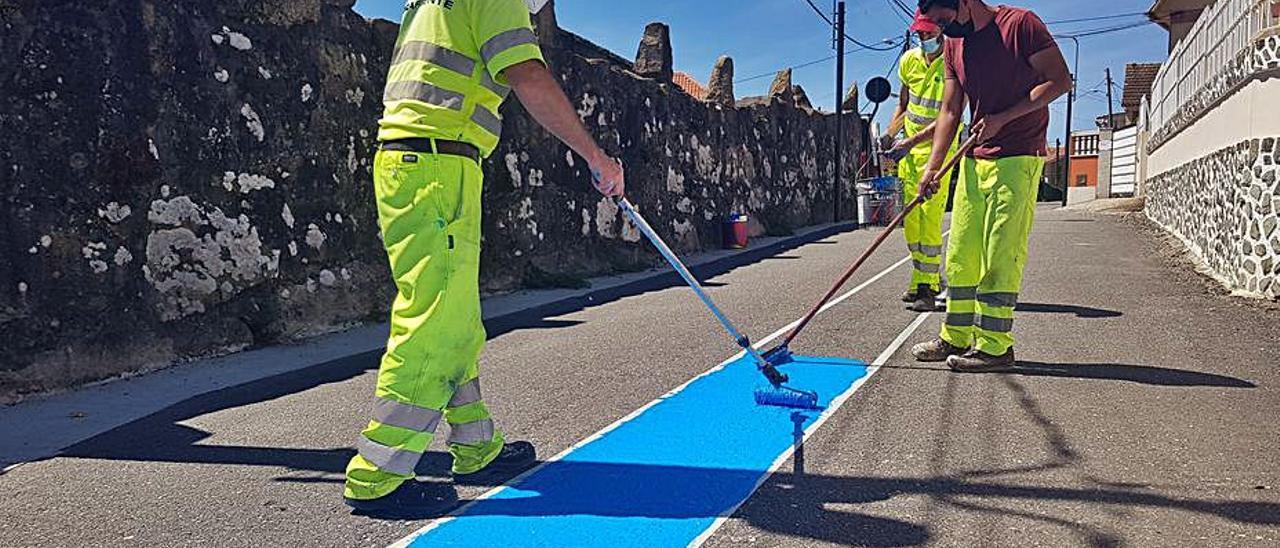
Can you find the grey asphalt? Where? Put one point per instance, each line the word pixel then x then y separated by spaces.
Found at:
pixel 1144 415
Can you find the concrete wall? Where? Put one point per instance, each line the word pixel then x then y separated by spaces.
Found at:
pixel 194 177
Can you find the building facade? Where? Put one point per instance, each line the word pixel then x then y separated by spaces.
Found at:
pixel 1207 141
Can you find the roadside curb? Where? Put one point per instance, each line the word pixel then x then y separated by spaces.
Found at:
pixel 42 427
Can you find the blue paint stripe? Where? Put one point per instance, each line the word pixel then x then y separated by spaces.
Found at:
pixel 660 479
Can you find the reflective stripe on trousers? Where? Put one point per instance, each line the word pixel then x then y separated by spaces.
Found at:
pixel 922 228
pixel 429 216
pixel 990 227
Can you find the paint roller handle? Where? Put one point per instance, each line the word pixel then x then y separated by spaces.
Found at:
pixel 932 180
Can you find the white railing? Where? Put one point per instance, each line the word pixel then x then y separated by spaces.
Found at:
pixel 1224 30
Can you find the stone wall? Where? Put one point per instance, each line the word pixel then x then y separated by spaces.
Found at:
pixel 1224 204
pixel 189 178
pixel 1225 208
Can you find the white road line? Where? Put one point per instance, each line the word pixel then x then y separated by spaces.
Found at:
pixel 835 405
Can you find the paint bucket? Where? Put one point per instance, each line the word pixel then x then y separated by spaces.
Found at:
pixel 735 231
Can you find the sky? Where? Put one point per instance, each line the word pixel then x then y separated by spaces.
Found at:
pixel 764 36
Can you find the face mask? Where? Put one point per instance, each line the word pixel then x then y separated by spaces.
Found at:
pixel 958 30
pixel 931 46
pixel 536 6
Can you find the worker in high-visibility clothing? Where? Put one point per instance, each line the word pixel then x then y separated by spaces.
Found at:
pixel 454 64
pixel 921 73
pixel 1006 63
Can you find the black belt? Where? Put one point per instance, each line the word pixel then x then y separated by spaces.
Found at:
pixel 424 146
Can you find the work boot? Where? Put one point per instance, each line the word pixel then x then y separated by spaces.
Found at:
pixel 909 296
pixel 412 500
pixel 935 351
pixel 926 299
pixel 977 361
pixel 512 460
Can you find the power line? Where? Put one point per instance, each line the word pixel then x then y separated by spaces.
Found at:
pixel 817 10
pixel 775 73
pixel 1097 18
pixel 897 42
pixel 1101 31
pixel 896 7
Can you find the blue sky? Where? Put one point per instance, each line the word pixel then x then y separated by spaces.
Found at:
pixel 764 36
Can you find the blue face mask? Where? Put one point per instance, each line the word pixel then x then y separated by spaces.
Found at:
pixel 931 46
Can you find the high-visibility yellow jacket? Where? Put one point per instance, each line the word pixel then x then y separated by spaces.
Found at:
pixel 926 83
pixel 446 77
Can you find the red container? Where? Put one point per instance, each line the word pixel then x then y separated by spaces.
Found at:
pixel 735 231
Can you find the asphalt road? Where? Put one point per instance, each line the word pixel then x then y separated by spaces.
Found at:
pixel 1144 414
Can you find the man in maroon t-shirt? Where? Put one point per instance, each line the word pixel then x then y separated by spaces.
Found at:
pixel 1005 62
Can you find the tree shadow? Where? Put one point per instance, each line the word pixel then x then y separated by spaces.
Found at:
pixel 1079 311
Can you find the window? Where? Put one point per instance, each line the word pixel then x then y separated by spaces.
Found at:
pixel 1082 180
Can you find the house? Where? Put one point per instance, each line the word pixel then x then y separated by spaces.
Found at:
pixel 1083 179
pixel 1118 159
pixel 1138 79
pixel 690 85
pixel 1177 16
pixel 1207 139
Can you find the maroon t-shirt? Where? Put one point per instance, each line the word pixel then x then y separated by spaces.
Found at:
pixel 993 68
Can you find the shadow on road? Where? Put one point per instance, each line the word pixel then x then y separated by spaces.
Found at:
pixel 1141 374
pixel 1079 311
pixel 808 506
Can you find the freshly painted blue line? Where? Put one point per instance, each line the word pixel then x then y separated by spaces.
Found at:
pixel 660 479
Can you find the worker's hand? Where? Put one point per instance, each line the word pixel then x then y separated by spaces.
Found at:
pixel 608 176
pixel 887 142
pixel 898 151
pixel 987 128
pixel 929 182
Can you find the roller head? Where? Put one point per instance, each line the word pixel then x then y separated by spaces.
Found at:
pixel 787 397
pixel 779 356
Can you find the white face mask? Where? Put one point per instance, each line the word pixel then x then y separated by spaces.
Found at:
pixel 931 46
pixel 536 6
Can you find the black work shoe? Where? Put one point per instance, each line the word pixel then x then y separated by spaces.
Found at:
pixel 511 461
pixel 977 361
pixel 926 300
pixel 909 296
pixel 412 500
pixel 936 350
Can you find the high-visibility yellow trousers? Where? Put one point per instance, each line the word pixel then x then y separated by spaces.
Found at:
pixel 991 222
pixel 429 213
pixel 923 226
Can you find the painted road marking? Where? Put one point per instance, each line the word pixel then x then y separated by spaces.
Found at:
pixel 661 479
pixel 835 405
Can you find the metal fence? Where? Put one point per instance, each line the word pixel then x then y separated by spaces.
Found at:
pixel 1224 30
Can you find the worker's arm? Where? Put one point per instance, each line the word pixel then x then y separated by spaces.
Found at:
pixel 541 95
pixel 900 113
pixel 925 136
pixel 1050 65
pixel 944 133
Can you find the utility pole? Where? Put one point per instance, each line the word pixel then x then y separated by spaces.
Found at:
pixel 1057 165
pixel 1111 113
pixel 1071 103
pixel 839 45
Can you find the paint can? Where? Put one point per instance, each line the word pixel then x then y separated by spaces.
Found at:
pixel 735 231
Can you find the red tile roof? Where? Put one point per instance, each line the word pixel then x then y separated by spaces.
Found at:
pixel 1138 79
pixel 690 85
